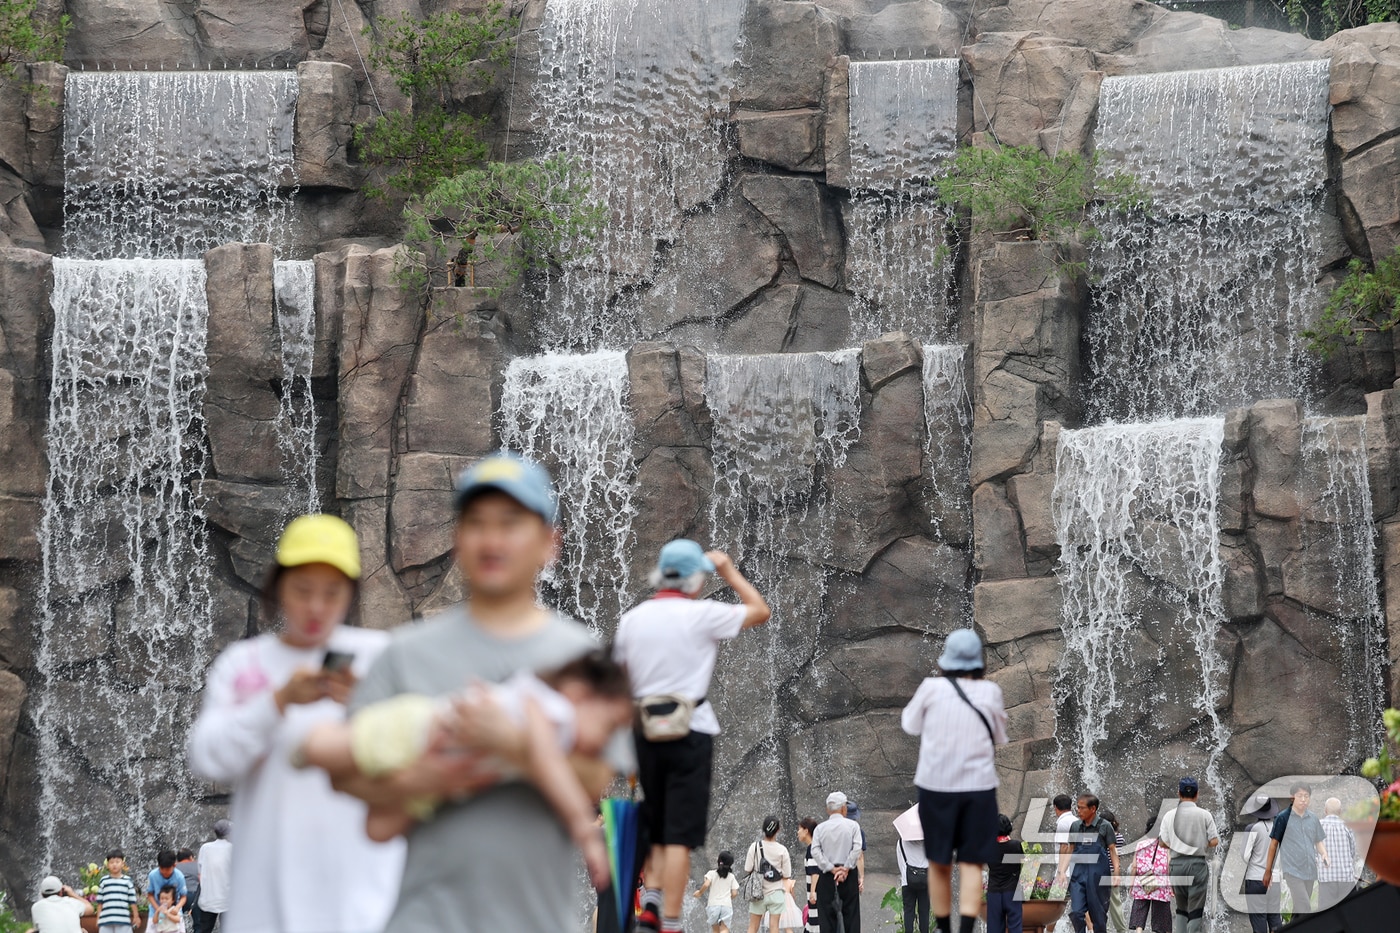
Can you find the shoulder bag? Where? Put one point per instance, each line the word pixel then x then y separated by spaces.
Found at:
pixel 752 886
pixel 990 734
pixel 914 876
pixel 1154 881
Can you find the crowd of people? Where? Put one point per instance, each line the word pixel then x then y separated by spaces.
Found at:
pixel 184 893
pixel 441 777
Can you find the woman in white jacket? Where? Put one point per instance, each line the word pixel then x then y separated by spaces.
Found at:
pixel 301 860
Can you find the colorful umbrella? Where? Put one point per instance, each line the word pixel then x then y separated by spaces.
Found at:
pixel 620 829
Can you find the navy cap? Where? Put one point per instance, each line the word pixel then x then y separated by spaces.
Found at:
pixel 523 480
pixel 1187 784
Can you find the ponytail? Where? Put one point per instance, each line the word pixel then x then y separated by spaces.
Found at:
pixel 724 864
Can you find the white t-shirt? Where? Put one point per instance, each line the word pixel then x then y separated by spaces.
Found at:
pixel 57 914
pixel 215 861
pixel 722 890
pixel 1063 824
pixel 1256 851
pixel 670 644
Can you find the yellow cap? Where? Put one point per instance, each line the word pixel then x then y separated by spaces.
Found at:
pixel 320 539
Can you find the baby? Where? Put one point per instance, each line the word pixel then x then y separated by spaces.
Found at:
pixel 574 709
pixel 166 917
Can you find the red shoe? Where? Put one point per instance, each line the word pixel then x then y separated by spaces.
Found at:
pixel 648 922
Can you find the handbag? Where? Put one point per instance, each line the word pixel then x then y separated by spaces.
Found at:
pixel 914 876
pixel 1154 881
pixel 665 717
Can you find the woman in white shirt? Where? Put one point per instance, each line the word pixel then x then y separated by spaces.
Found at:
pixel 960 720
pixel 722 885
pixel 302 862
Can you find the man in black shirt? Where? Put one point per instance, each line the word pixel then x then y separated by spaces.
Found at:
pixel 1003 877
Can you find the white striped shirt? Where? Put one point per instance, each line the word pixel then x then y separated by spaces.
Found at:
pixel 955 752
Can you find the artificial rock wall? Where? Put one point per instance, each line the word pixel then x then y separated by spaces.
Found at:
pixel 406 397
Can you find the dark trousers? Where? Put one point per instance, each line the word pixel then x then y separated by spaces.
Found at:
pixel 1003 912
pixel 203 920
pixel 915 908
pixel 1270 920
pixel 1332 893
pixel 838 903
pixel 1087 897
pixel 1301 891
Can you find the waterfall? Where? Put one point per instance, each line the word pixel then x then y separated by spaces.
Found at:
pixel 171 164
pixel 294 283
pixel 948 422
pixel 1134 508
pixel 124 597
pixel 636 92
pixel 1199 299
pixel 1338 545
pixel 903 125
pixel 160 167
pixel 570 411
pixel 782 422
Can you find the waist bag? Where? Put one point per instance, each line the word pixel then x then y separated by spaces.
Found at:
pixel 665 717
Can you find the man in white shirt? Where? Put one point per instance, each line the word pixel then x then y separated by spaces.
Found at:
pixel 669 645
pixel 1190 833
pixel 58 908
pixel 836 848
pixel 215 863
pixel 1064 817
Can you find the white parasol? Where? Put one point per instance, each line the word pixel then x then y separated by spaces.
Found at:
pixel 908 826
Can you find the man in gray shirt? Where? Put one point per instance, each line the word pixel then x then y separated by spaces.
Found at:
pixel 836 848
pixel 499 860
pixel 1190 833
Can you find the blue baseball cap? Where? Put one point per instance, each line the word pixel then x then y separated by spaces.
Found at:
pixel 962 651
pixel 523 480
pixel 681 558
pixel 1187 785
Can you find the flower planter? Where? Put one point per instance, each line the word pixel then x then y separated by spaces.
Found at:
pixel 1036 915
pixel 1383 857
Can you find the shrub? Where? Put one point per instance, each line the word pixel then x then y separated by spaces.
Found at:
pixel 26 37
pixel 1366 302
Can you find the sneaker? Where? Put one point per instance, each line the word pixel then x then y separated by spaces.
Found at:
pixel 648 921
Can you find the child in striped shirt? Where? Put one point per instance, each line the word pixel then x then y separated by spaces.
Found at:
pixel 116 897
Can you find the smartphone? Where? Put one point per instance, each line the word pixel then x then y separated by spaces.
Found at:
pixel 337 661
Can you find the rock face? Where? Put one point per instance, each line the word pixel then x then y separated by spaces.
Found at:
pixel 409 392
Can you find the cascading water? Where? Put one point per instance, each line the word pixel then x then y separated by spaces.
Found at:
pixel 948 421
pixel 156 164
pixel 570 411
pixel 1199 299
pixel 782 422
pixel 294 283
pixel 1134 508
pixel 1338 542
pixel 903 125
pixel 123 603
pixel 159 168
pixel 635 91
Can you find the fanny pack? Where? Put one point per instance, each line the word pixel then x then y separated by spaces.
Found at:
pixel 665 717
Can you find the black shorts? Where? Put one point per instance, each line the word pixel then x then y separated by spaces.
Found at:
pixel 675 779
pixel 964 821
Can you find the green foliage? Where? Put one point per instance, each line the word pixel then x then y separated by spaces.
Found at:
pixel 464 209
pixel 1321 18
pixel 9 923
pixel 27 37
pixel 519 215
pixel 431 61
pixel 1023 190
pixel 1366 302
pixel 1383 768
